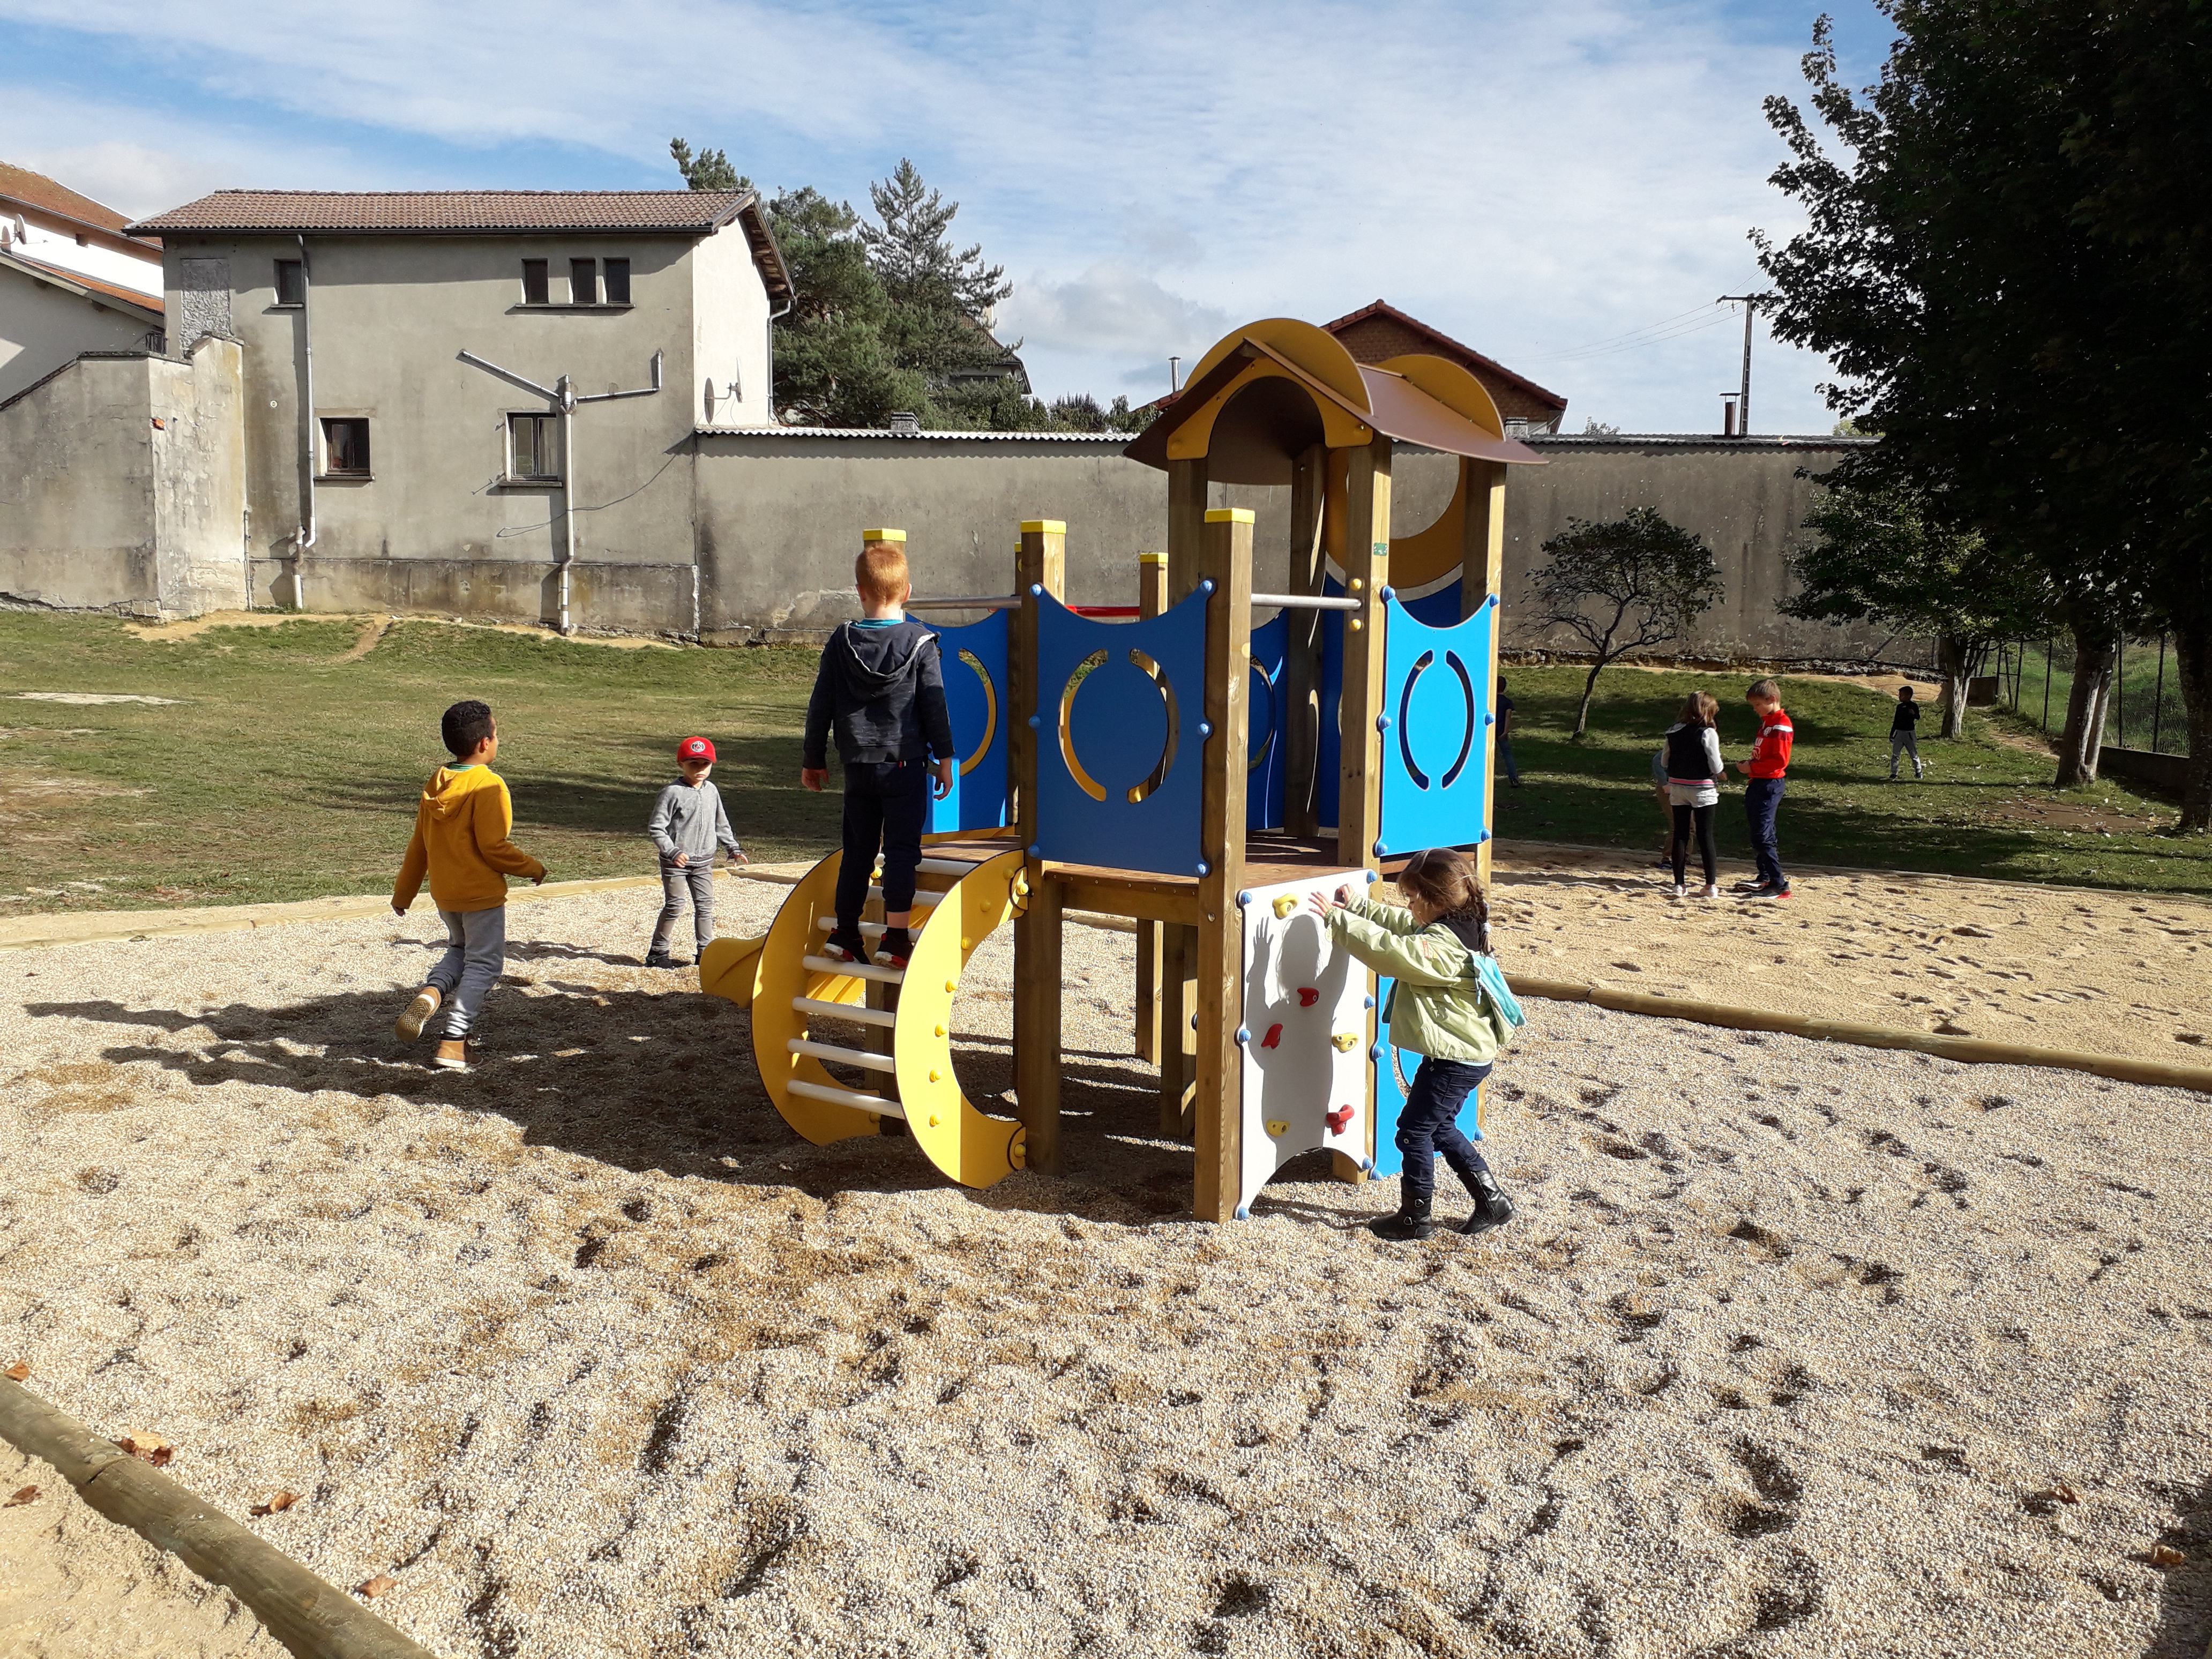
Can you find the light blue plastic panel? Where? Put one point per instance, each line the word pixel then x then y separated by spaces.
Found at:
pixel 1394 1076
pixel 1120 724
pixel 975 664
pixel 1265 725
pixel 1436 701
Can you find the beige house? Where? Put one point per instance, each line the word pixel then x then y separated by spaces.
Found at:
pixel 71 281
pixel 427 379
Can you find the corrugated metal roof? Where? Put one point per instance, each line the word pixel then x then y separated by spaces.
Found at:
pixel 1692 439
pixel 694 212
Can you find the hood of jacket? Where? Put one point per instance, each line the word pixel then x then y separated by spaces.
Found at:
pixel 875 659
pixel 449 786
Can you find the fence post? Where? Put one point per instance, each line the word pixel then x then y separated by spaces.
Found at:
pixel 2046 686
pixel 2158 696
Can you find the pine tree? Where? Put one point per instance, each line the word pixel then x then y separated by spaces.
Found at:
pixel 709 169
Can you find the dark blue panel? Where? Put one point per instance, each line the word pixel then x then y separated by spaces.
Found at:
pixel 1331 747
pixel 1439 609
pixel 1393 1075
pixel 974 664
pixel 1265 725
pixel 1438 700
pixel 1123 726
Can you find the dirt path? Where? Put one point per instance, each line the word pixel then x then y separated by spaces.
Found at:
pixel 2068 968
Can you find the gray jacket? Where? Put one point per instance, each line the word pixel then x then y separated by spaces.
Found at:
pixel 691 821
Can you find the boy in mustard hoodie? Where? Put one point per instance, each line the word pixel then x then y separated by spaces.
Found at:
pixel 461 828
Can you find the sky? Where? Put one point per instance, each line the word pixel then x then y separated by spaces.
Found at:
pixel 1565 186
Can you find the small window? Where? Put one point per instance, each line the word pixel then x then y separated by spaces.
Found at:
pixel 617 282
pixel 534 290
pixel 583 282
pixel 533 446
pixel 291 283
pixel 345 448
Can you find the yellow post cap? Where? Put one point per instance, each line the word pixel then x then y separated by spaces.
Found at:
pixel 883 535
pixel 1229 515
pixel 1047 527
pixel 1151 558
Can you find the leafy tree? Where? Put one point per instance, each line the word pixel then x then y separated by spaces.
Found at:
pixel 1884 555
pixel 709 169
pixel 941 301
pixel 1627 584
pixel 2012 267
pixel 832 365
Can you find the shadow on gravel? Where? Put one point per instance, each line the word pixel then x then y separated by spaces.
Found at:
pixel 658 1081
pixel 2185 1598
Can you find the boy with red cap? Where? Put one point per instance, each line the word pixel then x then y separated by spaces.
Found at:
pixel 688 823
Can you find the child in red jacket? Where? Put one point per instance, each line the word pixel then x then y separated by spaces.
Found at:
pixel 1766 773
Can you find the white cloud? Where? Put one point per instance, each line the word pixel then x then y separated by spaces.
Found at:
pixel 1110 309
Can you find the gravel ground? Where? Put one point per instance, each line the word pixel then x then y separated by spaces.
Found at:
pixel 1789 1353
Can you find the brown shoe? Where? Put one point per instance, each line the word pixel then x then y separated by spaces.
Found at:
pixel 409 1023
pixel 452 1056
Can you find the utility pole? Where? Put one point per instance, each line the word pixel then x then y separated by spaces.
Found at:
pixel 1750 303
pixel 564 397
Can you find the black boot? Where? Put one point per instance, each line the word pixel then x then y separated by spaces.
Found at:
pixel 1411 1222
pixel 1492 1208
pixel 895 949
pixel 845 943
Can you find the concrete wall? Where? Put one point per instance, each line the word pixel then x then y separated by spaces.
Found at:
pixel 108 511
pixel 614 596
pixel 42 327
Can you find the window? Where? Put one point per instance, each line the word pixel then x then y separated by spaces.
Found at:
pixel 534 290
pixel 533 448
pixel 345 448
pixel 291 283
pixel 617 282
pixel 583 282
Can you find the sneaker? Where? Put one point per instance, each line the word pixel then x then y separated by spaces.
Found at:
pixel 452 1056
pixel 1750 884
pixel 897 946
pixel 1404 1227
pixel 409 1023
pixel 1676 889
pixel 1712 890
pixel 1492 1207
pixel 1664 861
pixel 1767 890
pixel 846 944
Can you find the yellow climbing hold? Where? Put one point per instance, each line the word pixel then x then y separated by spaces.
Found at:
pixel 1285 903
pixel 1277 1126
pixel 1344 1040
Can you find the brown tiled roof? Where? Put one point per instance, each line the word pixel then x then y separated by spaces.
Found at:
pixel 36 190
pixel 61 277
pixel 1481 367
pixel 447 211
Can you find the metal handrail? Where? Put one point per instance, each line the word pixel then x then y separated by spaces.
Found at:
pixel 1308 602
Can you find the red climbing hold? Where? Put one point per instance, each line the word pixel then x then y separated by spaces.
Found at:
pixel 1338 1118
pixel 1274 1036
pixel 1308 996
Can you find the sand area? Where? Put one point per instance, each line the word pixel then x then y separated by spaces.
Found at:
pixel 1795 1349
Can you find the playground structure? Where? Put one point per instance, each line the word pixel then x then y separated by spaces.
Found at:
pixel 1181 768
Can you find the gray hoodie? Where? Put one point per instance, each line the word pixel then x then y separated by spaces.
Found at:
pixel 688 819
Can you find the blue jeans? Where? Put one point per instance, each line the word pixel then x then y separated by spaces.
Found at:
pixel 1506 759
pixel 1427 1126
pixel 886 804
pixel 1762 800
pixel 476 955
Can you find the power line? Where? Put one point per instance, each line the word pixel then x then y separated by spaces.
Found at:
pixel 1692 321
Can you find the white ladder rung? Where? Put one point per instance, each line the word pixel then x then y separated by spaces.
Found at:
pixel 829 925
pixel 874 1061
pixel 854 970
pixel 845 1011
pixel 845 1097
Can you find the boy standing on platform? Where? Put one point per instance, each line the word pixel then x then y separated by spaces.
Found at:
pixel 1765 772
pixel 881 688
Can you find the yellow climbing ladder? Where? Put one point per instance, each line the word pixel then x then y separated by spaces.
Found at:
pixel 794 984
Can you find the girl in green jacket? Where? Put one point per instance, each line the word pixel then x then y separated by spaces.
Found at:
pixel 1441 1009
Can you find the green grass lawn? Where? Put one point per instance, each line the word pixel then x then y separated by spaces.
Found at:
pixel 281 771
pixel 1986 808
pixel 286 767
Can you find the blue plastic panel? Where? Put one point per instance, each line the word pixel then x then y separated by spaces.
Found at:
pixel 1119 785
pixel 1394 1076
pixel 1436 697
pixel 975 664
pixel 1266 724
pixel 1330 750
pixel 1438 608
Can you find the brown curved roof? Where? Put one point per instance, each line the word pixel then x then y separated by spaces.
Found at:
pixel 1377 332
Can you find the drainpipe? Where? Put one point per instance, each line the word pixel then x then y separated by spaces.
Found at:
pixel 304 537
pixel 568 490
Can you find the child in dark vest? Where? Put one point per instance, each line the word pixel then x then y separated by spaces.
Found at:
pixel 1694 778
pixel 881 688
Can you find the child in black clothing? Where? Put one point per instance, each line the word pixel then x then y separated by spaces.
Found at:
pixel 1904 732
pixel 882 687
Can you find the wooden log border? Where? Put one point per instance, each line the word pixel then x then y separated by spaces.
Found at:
pixel 1970 1051
pixel 311 1617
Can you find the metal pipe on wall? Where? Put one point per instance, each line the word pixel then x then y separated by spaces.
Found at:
pixel 304 536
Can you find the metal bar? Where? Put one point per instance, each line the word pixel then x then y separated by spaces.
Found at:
pixel 636 392
pixel 852 1011
pixel 2046 686
pixel 1104 609
pixel 852 1097
pixel 2158 697
pixel 874 1062
pixel 1306 602
pixel 546 392
pixel 967 602
pixel 854 970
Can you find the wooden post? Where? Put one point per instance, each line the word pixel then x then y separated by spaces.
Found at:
pixel 1151 599
pixel 1186 525
pixel 1309 568
pixel 1042 564
pixel 1367 572
pixel 1226 562
pixel 1481 574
